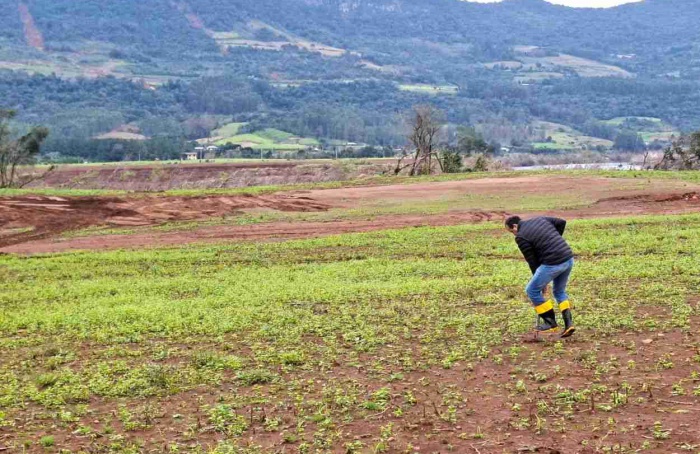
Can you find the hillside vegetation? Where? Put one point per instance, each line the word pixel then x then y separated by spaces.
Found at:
pixel 338 70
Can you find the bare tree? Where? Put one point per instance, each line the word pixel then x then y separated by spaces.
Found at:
pixel 683 154
pixel 15 154
pixel 425 126
pixel 400 166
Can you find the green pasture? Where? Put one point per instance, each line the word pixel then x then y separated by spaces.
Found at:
pixel 618 121
pixel 430 89
pixel 302 340
pixel 266 139
pixel 228 130
pixel 568 139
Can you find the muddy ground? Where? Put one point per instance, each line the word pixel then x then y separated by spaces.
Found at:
pixel 50 216
pixel 597 393
pixel 34 224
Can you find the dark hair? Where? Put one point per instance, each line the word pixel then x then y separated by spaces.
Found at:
pixel 511 221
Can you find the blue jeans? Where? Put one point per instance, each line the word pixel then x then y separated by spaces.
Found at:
pixel 559 274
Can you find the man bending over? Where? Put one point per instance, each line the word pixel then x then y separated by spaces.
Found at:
pixel 551 260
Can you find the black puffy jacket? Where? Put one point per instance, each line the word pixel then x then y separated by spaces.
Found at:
pixel 541 242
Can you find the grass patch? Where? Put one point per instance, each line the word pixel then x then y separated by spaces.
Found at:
pixel 562 137
pixel 618 121
pixel 266 139
pixel 430 89
pixel 228 130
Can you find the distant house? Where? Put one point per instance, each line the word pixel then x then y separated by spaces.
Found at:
pixel 210 152
pixel 198 153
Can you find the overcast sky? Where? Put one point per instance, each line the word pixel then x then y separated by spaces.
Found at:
pixel 578 3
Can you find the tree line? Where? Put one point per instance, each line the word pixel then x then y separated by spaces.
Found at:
pixel 368 111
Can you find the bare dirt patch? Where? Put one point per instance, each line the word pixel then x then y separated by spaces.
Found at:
pixel 571 197
pixel 260 232
pixel 651 203
pixel 49 216
pixel 587 190
pixel 163 177
pixel 31 33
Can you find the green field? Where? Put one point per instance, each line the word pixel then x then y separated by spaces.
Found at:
pixel 228 130
pixel 566 138
pixel 649 128
pixel 267 139
pixel 618 121
pixel 226 345
pixel 108 341
pixel 430 89
pixel 536 77
pixel 374 342
pixel 668 136
pixel 531 65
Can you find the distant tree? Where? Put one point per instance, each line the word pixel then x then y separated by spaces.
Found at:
pixel 222 95
pixel 629 141
pixel 425 126
pixel 265 34
pixel 200 126
pixel 17 153
pixel 695 144
pixel 470 142
pixel 599 129
pixel 451 162
pixel 683 154
pixel 481 164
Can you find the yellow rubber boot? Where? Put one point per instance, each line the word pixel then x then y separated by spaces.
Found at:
pixel 569 329
pixel 545 311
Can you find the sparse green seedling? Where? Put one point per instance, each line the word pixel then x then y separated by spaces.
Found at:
pixel 47 441
pixel 225 420
pixel 659 432
pixel 664 363
pixel 256 377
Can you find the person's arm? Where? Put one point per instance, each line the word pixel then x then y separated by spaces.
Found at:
pixel 559 224
pixel 529 253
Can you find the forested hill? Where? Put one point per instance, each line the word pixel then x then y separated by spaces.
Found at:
pixel 661 33
pixel 266 61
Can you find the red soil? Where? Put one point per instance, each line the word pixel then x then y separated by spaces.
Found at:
pixel 487 402
pixel 31 32
pixel 51 216
pixel 204 175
